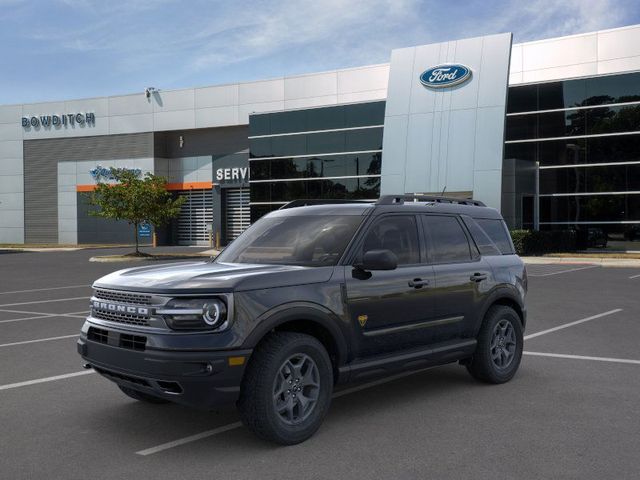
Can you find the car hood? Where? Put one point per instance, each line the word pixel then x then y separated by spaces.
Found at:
pixel 194 277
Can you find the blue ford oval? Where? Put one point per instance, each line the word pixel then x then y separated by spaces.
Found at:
pixel 442 76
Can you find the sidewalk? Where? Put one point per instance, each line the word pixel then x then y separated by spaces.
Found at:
pixel 601 260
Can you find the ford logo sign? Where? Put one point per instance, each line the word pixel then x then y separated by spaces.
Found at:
pixel 442 76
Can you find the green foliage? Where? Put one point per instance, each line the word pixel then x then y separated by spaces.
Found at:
pixel 134 199
pixel 531 242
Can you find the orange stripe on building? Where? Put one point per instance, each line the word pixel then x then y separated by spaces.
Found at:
pixel 189 185
pixel 170 186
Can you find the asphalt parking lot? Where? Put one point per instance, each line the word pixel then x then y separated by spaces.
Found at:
pixel 572 411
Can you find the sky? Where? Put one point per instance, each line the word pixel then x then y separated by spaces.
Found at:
pixel 68 49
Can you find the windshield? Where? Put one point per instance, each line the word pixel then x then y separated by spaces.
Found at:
pixel 314 240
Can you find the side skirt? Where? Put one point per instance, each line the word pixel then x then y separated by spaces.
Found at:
pixel 438 354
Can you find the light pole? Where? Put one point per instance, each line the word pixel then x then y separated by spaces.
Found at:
pixel 536 202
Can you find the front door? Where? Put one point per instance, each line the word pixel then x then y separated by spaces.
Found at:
pixel 388 309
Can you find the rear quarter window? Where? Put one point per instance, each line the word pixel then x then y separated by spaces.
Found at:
pixel 485 245
pixel 497 231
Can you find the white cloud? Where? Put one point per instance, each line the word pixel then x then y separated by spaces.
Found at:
pixel 338 27
pixel 540 19
pixel 177 43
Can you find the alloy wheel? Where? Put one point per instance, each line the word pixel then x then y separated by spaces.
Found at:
pixel 296 389
pixel 503 344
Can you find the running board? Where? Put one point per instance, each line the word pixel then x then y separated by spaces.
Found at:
pixel 437 354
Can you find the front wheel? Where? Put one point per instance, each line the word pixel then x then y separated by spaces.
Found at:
pixel 500 345
pixel 287 388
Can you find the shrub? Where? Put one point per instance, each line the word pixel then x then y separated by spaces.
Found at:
pixel 532 242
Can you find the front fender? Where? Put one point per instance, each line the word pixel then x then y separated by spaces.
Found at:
pixel 312 312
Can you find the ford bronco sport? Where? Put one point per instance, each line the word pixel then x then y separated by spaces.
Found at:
pixel 311 296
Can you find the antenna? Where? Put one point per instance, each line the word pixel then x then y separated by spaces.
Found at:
pixel 443 190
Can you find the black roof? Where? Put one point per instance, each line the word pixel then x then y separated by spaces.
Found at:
pixel 472 208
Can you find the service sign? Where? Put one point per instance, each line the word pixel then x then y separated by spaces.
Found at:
pixel 235 174
pixel 443 76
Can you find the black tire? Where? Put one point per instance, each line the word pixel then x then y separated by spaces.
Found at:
pixel 141 396
pixel 485 365
pixel 261 390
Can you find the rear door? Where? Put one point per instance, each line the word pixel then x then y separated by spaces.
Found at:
pixel 462 277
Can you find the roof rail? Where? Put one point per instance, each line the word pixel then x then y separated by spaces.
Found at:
pixel 329 201
pixel 417 197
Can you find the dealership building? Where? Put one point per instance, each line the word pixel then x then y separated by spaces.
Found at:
pixel 548 132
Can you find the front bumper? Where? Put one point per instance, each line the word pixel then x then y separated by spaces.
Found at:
pixel 202 379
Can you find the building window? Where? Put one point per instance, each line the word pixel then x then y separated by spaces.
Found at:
pixel 603 90
pixel 581 138
pixel 318 153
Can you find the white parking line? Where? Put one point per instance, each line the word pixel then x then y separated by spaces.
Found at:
pixel 563 271
pixel 581 357
pixel 233 426
pixel 44 301
pixel 81 314
pixel 44 289
pixel 634 276
pixel 571 324
pixel 189 439
pixel 24 342
pixel 46 379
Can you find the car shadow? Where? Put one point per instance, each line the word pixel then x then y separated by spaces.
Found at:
pixel 150 425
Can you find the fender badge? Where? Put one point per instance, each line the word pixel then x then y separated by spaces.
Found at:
pixel 362 319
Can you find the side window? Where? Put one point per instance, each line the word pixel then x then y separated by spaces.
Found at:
pixel 484 243
pixel 449 243
pixel 497 231
pixel 398 234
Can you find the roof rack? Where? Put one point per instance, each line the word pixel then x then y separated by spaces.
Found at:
pixel 329 201
pixel 400 199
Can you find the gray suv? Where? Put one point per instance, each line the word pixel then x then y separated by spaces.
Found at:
pixel 310 296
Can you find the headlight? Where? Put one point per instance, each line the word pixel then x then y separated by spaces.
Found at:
pixel 194 313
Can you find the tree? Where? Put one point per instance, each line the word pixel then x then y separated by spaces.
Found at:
pixel 138 200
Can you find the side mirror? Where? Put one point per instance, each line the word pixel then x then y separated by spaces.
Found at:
pixel 379 260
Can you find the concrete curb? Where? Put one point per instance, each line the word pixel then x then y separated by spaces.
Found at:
pixel 30 249
pixel 159 258
pixel 602 261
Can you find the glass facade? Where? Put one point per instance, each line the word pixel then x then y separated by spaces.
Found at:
pixel 317 153
pixel 577 144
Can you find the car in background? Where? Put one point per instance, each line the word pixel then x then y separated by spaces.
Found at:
pixel 597 238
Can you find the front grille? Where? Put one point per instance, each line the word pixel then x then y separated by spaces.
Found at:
pixel 98 335
pixel 123 297
pixel 133 342
pixel 127 318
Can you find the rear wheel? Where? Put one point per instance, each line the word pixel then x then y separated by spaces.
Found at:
pixel 141 396
pixel 286 390
pixel 500 345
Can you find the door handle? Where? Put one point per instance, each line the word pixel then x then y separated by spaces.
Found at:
pixel 418 283
pixel 478 277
